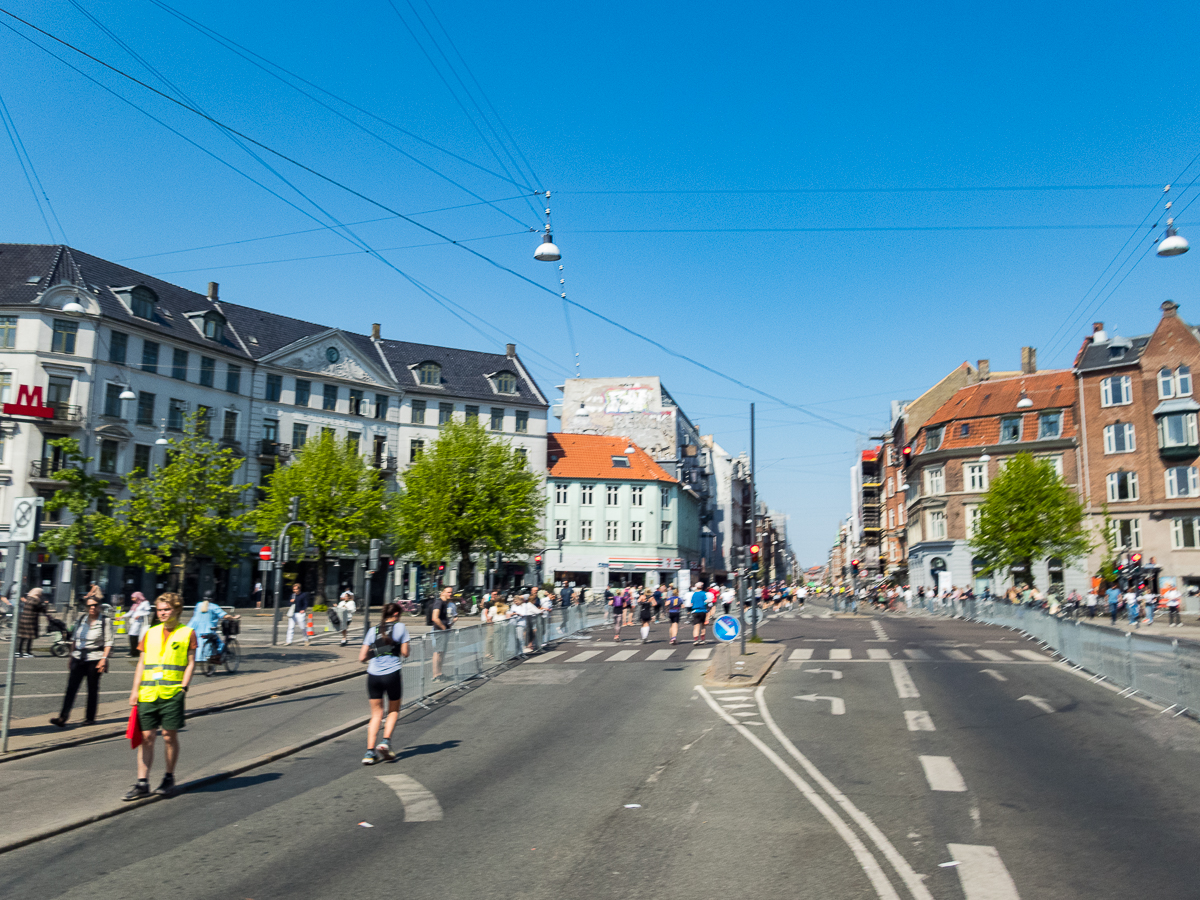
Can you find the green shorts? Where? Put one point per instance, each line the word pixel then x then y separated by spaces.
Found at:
pixel 166 714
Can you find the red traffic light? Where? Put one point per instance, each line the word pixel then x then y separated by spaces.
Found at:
pixel 538 559
pixel 1136 559
pixel 854 562
pixel 907 451
pixel 754 548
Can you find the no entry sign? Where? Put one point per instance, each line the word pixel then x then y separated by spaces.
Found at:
pixel 265 554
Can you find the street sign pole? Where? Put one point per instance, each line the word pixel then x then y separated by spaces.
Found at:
pixel 17 590
pixel 741 596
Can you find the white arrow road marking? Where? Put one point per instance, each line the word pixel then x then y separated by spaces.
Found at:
pixel 918 720
pixel 837 706
pixel 942 774
pixel 1043 705
pixel 904 683
pixel 837 675
pixel 997 675
pixel 982 873
pixel 419 804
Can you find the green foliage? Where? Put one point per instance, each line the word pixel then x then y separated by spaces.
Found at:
pixel 1029 513
pixel 469 493
pixel 1108 563
pixel 87 537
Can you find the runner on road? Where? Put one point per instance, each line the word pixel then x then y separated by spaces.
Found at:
pixel 383 650
pixel 674 606
pixel 699 602
pixel 618 608
pixel 645 614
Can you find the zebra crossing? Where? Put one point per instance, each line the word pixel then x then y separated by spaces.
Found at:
pixel 639 654
pixel 841 654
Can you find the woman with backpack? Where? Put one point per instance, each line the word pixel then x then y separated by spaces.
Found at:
pixel 383 650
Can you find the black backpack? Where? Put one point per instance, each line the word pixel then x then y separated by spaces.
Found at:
pixel 385 644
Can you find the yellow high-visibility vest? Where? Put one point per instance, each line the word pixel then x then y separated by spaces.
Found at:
pixel 162 671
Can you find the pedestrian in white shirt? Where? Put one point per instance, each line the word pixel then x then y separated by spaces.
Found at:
pixel 137 620
pixel 346 608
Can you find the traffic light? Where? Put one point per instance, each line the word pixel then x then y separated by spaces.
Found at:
pixel 754 548
pixel 854 566
pixel 1135 568
pixel 906 454
pixel 538 559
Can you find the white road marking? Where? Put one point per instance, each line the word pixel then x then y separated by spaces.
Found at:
pixel 544 657
pixel 1041 704
pixel 878 653
pixel 659 655
pixel 837 675
pixel 903 681
pixel 734 704
pixel 866 861
pixel 746 714
pixel 918 720
pixel 419 803
pixel 982 873
pixel 621 656
pixel 700 653
pixel 1032 654
pixel 584 656
pixel 917 654
pixel 942 774
pixel 734 691
pixel 880 634
pixel 994 655
pixel 997 675
pixel 802 653
pixel 956 654
pixel 837 706
pixel 914 882
pixel 840 654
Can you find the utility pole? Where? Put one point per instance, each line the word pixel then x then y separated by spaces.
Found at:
pixel 753 528
pixel 26 520
pixel 282 545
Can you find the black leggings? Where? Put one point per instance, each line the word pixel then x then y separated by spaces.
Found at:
pixel 79 671
pixel 24 645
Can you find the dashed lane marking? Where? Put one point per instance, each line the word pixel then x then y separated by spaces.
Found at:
pixel 419 803
pixel 621 656
pixel 700 653
pixel 994 655
pixel 918 720
pixel 659 655
pixel 546 657
pixel 942 774
pixel 584 656
pixel 1031 654
pixel 840 654
pixel 903 681
pixel 982 873
pixel 917 654
pixel 878 653
pixel 801 654
pixel 956 654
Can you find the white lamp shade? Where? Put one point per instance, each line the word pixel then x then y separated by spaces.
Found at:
pixel 985 458
pixel 161 441
pixel 1172 245
pixel 581 413
pixel 74 308
pixel 630 450
pixel 1024 402
pixel 127 394
pixel 547 251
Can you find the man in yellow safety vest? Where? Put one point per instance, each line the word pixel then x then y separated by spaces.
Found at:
pixel 164 671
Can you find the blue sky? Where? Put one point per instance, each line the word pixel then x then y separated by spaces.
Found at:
pixel 743 101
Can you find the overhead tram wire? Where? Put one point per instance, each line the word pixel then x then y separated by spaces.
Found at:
pixel 618 325
pixel 837 228
pixel 877 190
pixel 27 169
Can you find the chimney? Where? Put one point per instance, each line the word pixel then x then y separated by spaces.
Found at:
pixel 212 291
pixel 511 350
pixel 1099 335
pixel 1028 360
pixel 1169 308
pixel 375 331
pixel 985 369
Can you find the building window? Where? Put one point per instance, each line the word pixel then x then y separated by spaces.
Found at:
pixel 935 481
pixel 233 379
pixel 637 496
pixel 665 498
pixel 937 525
pixel 1184 533
pixel 112 400
pixel 585 494
pixel 973 514
pixel 274 388
pixel 635 532
pixel 1183 481
pixel 560 529
pixel 620 462
pixel 1127 533
pixel 964 430
pixel 891 486
pixel 418 412
pixel 1116 391
pixel 299 436
pixel 6 387
pixel 1010 430
pixel 141 458
pixel 176 410
pixel 329 433
pixel 429 373
pixel 8 332
pixel 214 328
pixel 1183 381
pixel 1166 384
pixel 141 302
pixel 229 426
pixel 612 494
pixel 149 356
pixel 63 340
pixel 203 419
pixel 353 440
pixel 975 476
pixel 1049 425
pixel 303 391
pixel 1119 438
pixel 506 383
pixel 208 372
pixel 108 457
pixel 145 408
pixel 329 398
pixel 933 438
pixel 445 413
pixel 415 449
pixel 522 453
pixel 612 530
pixel 891 518
pixel 560 492
pixel 522 423
pixel 118 349
pixel 179 363
pixel 471 413
pixel 664 536
pixel 585 530
pixel 1122 486
pixel 381 406
pixel 270 431
pixel 1056 463
pixel 356 402
pixel 497 419
pixel 1177 430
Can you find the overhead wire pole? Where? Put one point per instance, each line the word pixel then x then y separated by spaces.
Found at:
pixel 753 529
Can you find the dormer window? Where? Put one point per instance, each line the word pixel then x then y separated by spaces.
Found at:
pixel 142 301
pixel 506 383
pixel 214 327
pixel 429 373
pixel 620 462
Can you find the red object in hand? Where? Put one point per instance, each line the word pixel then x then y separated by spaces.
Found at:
pixel 133 730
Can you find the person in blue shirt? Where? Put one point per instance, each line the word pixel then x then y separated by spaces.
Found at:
pixel 699 602
pixel 674 606
pixel 1114 602
pixel 206 618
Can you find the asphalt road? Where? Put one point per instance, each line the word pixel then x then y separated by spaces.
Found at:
pixel 596 777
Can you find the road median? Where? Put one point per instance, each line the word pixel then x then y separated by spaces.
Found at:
pixel 729 668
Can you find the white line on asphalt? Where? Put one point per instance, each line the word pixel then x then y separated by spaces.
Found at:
pixel 918 720
pixel 659 655
pixel 541 658
pixel 956 654
pixel 878 653
pixel 982 873
pixel 802 653
pixel 837 675
pixel 746 714
pixel 917 654
pixel 1041 704
pixel 1032 654
pixel 700 653
pixel 584 656
pixel 997 675
pixel 621 655
pixel 911 879
pixel 866 861
pixel 734 691
pixel 840 654
pixel 942 774
pixel 903 681
pixel 994 655
pixel 419 803
pixel 732 703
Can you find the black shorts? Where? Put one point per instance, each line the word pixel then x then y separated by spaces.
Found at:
pixel 673 616
pixel 698 618
pixel 391 684
pixel 646 617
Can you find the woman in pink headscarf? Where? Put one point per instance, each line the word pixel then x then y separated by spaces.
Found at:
pixel 137 620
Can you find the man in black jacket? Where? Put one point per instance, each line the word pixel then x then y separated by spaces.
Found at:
pixel 301 603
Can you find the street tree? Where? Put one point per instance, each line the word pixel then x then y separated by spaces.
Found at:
pixel 469 493
pixel 343 500
pixel 1029 513
pixel 188 508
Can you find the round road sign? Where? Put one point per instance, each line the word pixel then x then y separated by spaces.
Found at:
pixel 265 554
pixel 726 628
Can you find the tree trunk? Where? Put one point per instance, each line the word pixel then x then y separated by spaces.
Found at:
pixel 319 594
pixel 466 570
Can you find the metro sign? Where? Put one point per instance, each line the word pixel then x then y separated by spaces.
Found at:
pixel 29 403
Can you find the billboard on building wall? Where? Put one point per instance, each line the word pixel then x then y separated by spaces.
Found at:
pixel 627 407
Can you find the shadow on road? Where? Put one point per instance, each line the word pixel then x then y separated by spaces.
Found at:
pixel 238 782
pixel 424 749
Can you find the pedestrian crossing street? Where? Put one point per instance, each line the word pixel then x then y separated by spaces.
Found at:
pixel 688 653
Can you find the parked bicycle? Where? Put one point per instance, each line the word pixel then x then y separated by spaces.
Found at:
pixel 223 649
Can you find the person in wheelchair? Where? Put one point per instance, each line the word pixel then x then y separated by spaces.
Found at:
pixel 208 618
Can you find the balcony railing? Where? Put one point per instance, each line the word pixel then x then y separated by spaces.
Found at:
pixel 45 468
pixel 65 412
pixel 384 463
pixel 274 449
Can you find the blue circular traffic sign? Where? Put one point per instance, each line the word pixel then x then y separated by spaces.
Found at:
pixel 726 628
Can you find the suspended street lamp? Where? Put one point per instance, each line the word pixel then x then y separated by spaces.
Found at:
pixel 547 251
pixel 1172 243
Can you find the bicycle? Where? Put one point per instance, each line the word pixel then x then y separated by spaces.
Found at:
pixel 229 656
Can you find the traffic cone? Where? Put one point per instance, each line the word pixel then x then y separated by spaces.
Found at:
pixel 120 620
pixel 310 626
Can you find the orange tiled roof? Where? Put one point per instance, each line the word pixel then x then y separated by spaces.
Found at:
pixel 591 455
pixel 1047 390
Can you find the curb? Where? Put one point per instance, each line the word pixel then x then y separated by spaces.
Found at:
pixel 774 654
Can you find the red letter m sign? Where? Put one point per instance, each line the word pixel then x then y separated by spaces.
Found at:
pixel 29 403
